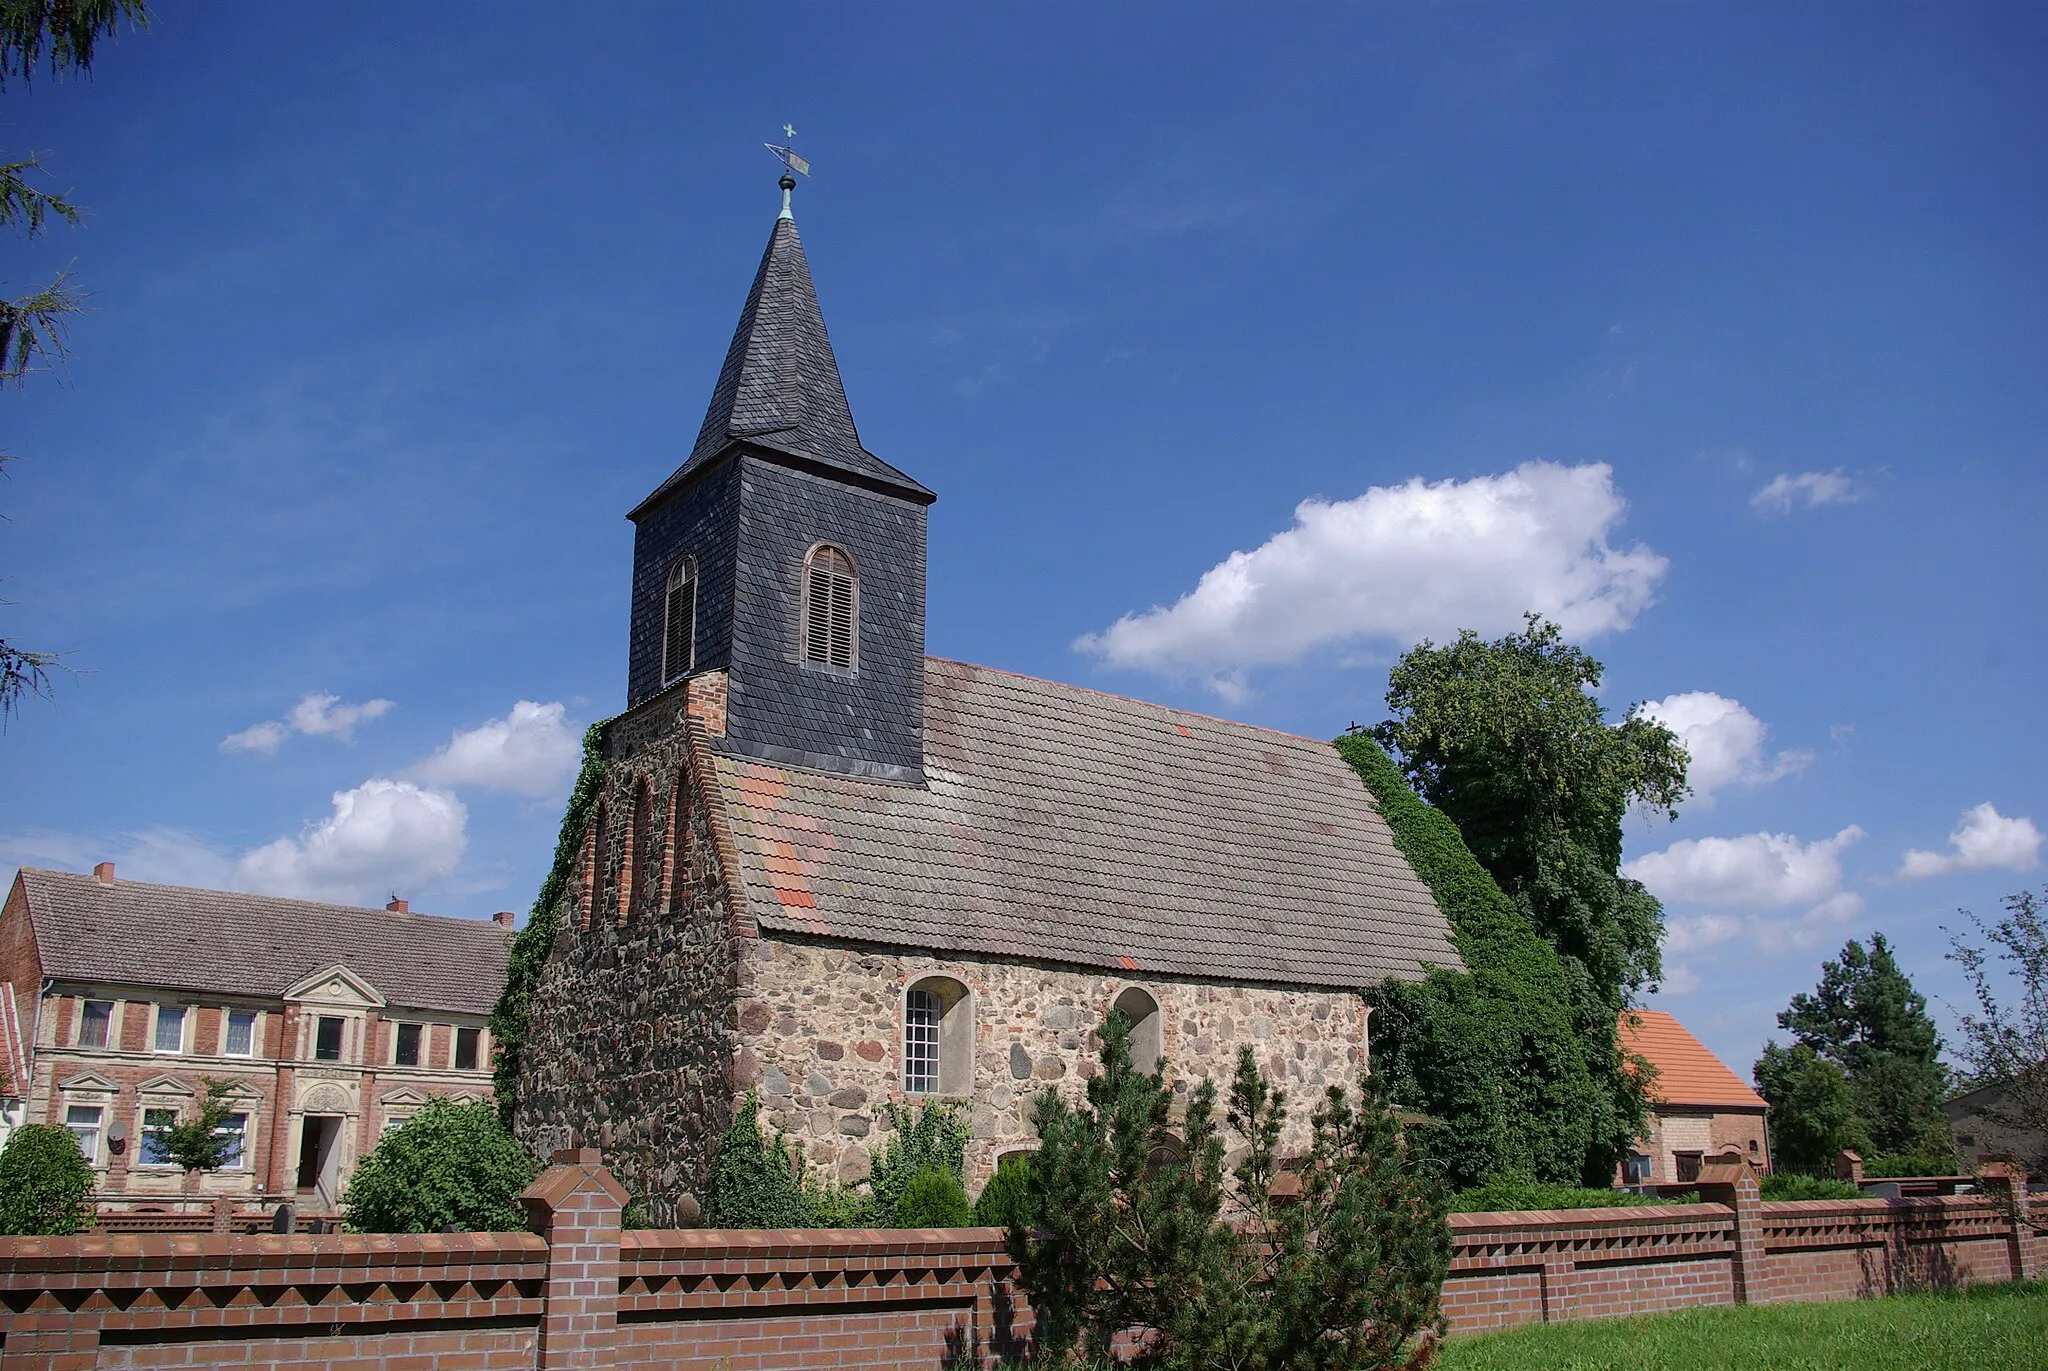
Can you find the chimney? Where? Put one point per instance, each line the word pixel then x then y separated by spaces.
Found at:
pixel 503 918
pixel 398 906
pixel 104 873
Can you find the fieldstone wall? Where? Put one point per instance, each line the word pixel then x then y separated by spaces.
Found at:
pixel 630 1048
pixel 820 1037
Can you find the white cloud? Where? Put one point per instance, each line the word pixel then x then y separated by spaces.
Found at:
pixel 1785 492
pixel 1700 930
pixel 316 714
pixel 1754 871
pixel 1679 979
pixel 171 856
pixel 531 751
pixel 1401 563
pixel 1724 740
pixel 1983 839
pixel 264 738
pixel 383 835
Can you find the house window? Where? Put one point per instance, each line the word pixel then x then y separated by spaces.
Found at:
pixel 327 1040
pixel 1687 1166
pixel 1143 1012
pixel 241 1034
pixel 679 622
pixel 1636 1170
pixel 831 609
pixel 84 1122
pixel 235 1129
pixel 938 1037
pixel 156 1136
pixel 95 1025
pixel 170 1028
pixel 408 1050
pixel 466 1040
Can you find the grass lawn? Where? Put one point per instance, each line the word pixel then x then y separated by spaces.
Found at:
pixel 1983 1328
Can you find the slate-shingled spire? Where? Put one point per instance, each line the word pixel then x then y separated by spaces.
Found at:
pixel 777 476
pixel 780 388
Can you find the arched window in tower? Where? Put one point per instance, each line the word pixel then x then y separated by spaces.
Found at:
pixel 679 621
pixel 831 609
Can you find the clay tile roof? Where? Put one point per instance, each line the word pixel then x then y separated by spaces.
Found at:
pixel 1062 824
pixel 1686 1072
pixel 176 937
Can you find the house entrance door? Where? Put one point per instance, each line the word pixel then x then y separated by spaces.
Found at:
pixel 320 1162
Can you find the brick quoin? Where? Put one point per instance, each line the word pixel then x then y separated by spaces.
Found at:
pixel 578 1292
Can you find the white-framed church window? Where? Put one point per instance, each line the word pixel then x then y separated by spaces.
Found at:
pixel 831 609
pixel 938 1037
pixel 679 621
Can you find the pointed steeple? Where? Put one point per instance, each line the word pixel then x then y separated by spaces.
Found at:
pixel 780 388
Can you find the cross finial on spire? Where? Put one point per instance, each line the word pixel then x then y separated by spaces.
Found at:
pixel 792 166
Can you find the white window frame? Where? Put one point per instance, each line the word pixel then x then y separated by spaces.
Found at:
pixel 143 1131
pixel 80 1130
pixel 341 1045
pixel 227 1032
pixel 239 1161
pixel 948 1068
pixel 156 1032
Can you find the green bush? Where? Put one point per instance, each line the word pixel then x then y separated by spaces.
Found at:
pixel 1787 1185
pixel 1506 1057
pixel 1005 1202
pixel 45 1183
pixel 930 1137
pixel 1880 1167
pixel 1519 1192
pixel 447 1164
pixel 933 1199
pixel 755 1181
pixel 511 1017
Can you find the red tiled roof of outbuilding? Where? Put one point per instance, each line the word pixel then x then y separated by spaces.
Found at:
pixel 1686 1072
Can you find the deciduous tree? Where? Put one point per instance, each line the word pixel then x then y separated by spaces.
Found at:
pixel 45 1182
pixel 448 1164
pixel 1813 1111
pixel 2005 1041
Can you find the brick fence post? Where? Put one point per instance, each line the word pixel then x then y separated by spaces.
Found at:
pixel 577 1205
pixel 2007 1182
pixel 1731 1180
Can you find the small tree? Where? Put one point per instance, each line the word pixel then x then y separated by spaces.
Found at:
pixel 1813 1112
pixel 197 1142
pixel 933 1199
pixel 447 1164
pixel 45 1183
pixel 755 1182
pixel 2005 1043
pixel 1338 1268
pixel 1005 1202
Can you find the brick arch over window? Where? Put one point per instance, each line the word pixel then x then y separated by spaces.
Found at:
pixel 676 872
pixel 635 874
pixel 679 621
pixel 831 609
pixel 596 848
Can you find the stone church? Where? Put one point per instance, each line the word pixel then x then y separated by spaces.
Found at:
pixel 832 870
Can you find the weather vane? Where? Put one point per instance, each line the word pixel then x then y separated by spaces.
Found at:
pixel 792 165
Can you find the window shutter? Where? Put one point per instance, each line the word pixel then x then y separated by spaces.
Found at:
pixel 831 629
pixel 679 629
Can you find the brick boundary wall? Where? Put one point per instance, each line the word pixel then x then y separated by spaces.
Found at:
pixel 579 1292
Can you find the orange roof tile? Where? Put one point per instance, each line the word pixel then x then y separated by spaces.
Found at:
pixel 1686 1072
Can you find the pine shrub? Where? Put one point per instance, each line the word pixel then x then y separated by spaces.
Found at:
pixel 45 1183
pixel 1342 1270
pixel 448 1164
pixel 1005 1202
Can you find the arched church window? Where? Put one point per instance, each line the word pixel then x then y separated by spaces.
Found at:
pixel 831 610
pixel 679 621
pixel 938 1037
pixel 1143 1012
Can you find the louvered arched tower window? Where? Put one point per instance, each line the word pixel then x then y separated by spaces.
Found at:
pixel 831 609
pixel 679 623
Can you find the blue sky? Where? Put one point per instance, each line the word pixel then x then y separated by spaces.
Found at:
pixel 1242 344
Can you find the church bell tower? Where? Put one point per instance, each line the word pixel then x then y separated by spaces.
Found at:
pixel 785 555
